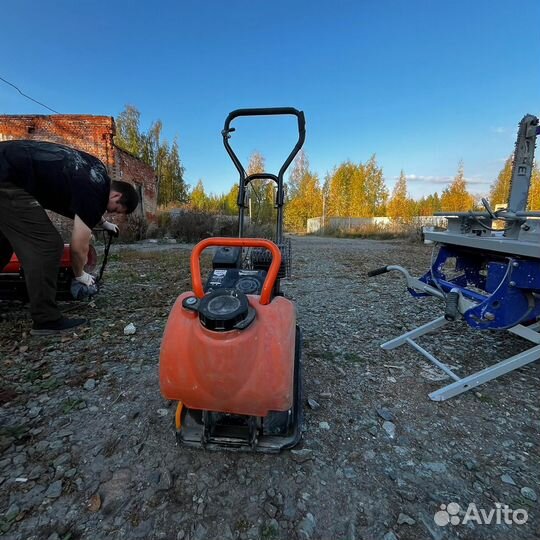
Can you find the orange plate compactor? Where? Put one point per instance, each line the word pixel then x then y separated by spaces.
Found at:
pixel 230 353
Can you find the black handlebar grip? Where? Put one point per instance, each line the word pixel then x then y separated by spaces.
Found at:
pixel 451 311
pixel 378 271
pixel 267 111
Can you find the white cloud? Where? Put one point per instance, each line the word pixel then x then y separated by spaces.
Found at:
pixel 419 178
pixel 498 129
pixel 443 180
pixel 478 182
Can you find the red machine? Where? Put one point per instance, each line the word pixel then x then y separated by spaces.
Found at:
pixel 14 265
pixel 13 286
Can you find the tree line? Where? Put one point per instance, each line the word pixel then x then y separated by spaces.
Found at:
pixel 350 190
pixel 355 190
pixel 152 149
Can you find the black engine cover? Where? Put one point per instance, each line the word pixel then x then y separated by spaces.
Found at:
pixel 246 281
pixel 227 257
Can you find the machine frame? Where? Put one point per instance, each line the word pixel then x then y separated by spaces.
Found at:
pixel 496 275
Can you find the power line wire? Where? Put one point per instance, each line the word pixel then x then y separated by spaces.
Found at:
pixel 26 96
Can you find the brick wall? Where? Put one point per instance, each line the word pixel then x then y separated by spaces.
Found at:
pixel 94 135
pixel 142 176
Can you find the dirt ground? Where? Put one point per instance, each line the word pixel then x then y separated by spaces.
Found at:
pixel 87 447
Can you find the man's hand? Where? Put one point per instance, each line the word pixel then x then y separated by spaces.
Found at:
pixel 111 227
pixel 86 279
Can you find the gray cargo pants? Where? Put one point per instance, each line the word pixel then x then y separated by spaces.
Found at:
pixel 26 229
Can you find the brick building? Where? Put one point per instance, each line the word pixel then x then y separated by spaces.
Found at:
pixel 94 135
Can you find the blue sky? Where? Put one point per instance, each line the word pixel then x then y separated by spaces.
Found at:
pixel 423 84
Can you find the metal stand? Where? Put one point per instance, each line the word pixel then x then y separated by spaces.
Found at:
pixel 495 284
pixel 531 333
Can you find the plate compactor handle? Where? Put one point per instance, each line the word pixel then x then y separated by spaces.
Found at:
pixel 269 111
pixel 271 277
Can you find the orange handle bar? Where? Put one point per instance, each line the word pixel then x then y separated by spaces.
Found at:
pixel 271 277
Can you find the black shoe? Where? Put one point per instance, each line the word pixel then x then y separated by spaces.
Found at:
pixel 56 327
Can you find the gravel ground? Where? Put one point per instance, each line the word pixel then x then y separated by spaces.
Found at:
pixel 87 448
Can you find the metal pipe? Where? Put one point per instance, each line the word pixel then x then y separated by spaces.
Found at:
pixel 432 359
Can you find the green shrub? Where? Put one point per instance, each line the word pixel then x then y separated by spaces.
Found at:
pixel 192 225
pixel 136 229
pixel 377 232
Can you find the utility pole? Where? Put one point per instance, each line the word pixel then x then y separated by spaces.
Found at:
pixel 249 202
pixel 323 209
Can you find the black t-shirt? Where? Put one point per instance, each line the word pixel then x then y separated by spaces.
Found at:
pixel 62 179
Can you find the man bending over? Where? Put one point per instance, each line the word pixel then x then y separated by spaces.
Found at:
pixel 35 176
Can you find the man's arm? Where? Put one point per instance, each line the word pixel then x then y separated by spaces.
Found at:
pixel 80 240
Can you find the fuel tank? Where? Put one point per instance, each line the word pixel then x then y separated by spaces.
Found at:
pixel 248 372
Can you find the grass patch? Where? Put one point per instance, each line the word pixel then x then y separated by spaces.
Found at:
pixel 139 255
pixel 328 356
pixel 242 525
pixel 268 532
pixel 69 405
pixel 110 446
pixel 353 358
pixel 50 384
pixel 31 376
pixel 7 521
pixel 17 432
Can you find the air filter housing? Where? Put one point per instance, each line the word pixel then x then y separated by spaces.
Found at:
pixel 221 310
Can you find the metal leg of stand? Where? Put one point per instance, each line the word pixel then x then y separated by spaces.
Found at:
pixel 527 332
pixel 492 372
pixel 433 359
pixel 420 331
pixel 472 381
